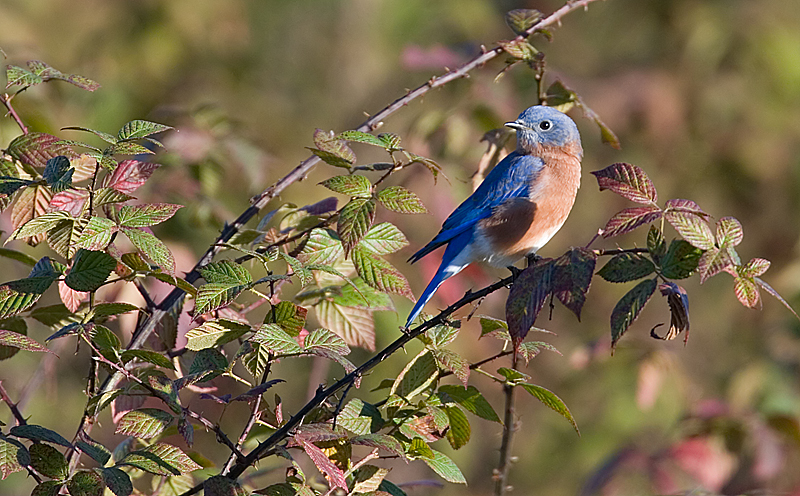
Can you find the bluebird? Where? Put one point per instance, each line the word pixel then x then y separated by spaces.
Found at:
pixel 520 205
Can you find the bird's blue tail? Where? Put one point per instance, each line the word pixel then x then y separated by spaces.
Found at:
pixel 455 258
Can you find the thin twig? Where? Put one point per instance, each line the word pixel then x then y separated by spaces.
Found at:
pixel 6 99
pixel 509 426
pixel 11 405
pixel 618 251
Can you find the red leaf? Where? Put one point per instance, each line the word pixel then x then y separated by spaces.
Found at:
pixel 72 299
pixel 729 232
pixel 572 277
pixel 37 148
pixel 629 219
pixel 334 475
pixel 713 262
pixel 71 200
pixel 684 206
pixel 693 228
pixel 130 175
pixel 747 292
pixel 628 181
pixel 527 298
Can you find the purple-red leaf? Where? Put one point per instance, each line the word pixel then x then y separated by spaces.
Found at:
pixel 130 175
pixel 37 148
pixel 629 219
pixel 687 206
pixel 627 181
pixel 747 292
pixel 572 277
pixel 628 308
pixel 754 268
pixel 527 298
pixel 693 228
pixel 713 262
pixel 729 232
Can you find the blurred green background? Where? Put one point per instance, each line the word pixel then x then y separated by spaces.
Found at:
pixel 704 95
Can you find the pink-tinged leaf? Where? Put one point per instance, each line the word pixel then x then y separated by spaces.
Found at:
pixel 693 228
pixel 629 219
pixel 21 341
pixel 572 277
pixel 31 203
pixel 754 268
pixel 729 232
pixel 628 308
pixel 71 201
pixel 453 362
pixel 37 148
pixel 527 298
pixel 97 234
pixel 145 215
pixel 354 221
pixel 72 299
pixel 686 206
pixel 713 262
pixel 130 175
pixel 85 167
pixel 747 293
pixel 628 181
pixel 332 473
pixel 678 301
pixel 769 289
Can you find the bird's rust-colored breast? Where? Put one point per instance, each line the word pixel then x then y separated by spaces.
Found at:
pixel 523 225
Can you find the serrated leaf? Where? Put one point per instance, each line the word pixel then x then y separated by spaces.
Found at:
pixel 626 267
pixel 48 488
pixel 104 196
pixel 64 236
pixel 354 186
pixel 445 467
pixel 368 478
pixel 417 375
pixel 58 173
pixel 361 137
pixel 693 228
pixel 333 474
pixel 139 129
pixel 39 225
pixel 129 148
pixel 747 292
pixel 145 215
pixel 354 324
pixel 383 239
pixel 39 433
pixel 94 450
pixel 97 234
pixel 729 232
pixel 549 399
pixel 212 296
pixel 754 268
pixel 118 481
pixel 439 336
pixel 629 219
pixel 37 148
pixel 21 341
pixel 31 203
pixel 354 221
pixel 226 272
pixel 277 340
pixel 681 260
pixel 572 277
pixel 48 461
pixel 527 297
pixel 628 181
pixel 363 296
pixel 322 247
pixel 712 262
pixel 145 423
pixel 331 159
pixel 148 356
pixel 380 274
pixel 90 269
pixel 86 483
pixel 656 244
pixel 71 201
pixel 152 249
pixel 13 455
pixel 628 307
pixel 460 431
pixel 451 361
pixel 129 175
pixel 21 76
pixel 362 418
pixel 519 49
pixel 520 20
pixel 326 340
pixel 214 333
pixel 401 200
pixel 160 459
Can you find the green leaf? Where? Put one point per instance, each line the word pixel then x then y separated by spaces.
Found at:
pixel 549 399
pixel 322 247
pixel 21 341
pixel 97 234
pixel 108 138
pixel 86 483
pixel 355 220
pixel 9 185
pixel 729 232
pixel 128 148
pixel 39 225
pixel 119 482
pixel 145 423
pixel 656 244
pixel 470 399
pixel 94 450
pixel 148 356
pixel 368 478
pixel 326 340
pixel 39 433
pixel 160 459
pixel 417 375
pixel 276 340
pixel 361 137
pixel 152 248
pixel 215 333
pixel 48 488
pixel 520 20
pixel 460 431
pixel 628 181
pixel 63 238
pixel 363 296
pixel 226 272
pixel 681 260
pixel 48 461
pixel 17 296
pixel 18 256
pixel 450 361
pixel 145 215
pixel 755 267
pixel 213 296
pixel 383 239
pixel 747 292
pixel 104 196
pixel 289 316
pixel 58 173
pixel 445 467
pixel 693 228
pixel 139 129
pixel 440 336
pixel 418 448
pixel 13 324
pixel 331 159
pixel 13 455
pixel 401 200
pixel 36 149
pixel 361 418
pixel 628 307
pixel 629 219
pixel 21 76
pixel 354 324
pixel 90 269
pixel 626 267
pixel 380 274
pixel 354 186
pixel 491 325
pixel 390 141
pixel 326 142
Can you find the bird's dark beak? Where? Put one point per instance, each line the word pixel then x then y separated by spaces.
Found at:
pixel 514 125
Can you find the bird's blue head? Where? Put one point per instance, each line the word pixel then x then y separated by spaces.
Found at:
pixel 539 125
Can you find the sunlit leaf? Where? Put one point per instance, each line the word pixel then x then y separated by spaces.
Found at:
pixel 354 186
pixel 549 399
pixel 90 269
pixel 354 221
pixel 145 215
pixel 139 129
pixel 681 260
pixel 401 200
pixel 629 219
pixel 145 423
pixel 628 181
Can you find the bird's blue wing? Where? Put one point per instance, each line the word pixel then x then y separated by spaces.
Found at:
pixel 511 178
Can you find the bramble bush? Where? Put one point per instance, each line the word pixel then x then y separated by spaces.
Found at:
pixel 80 200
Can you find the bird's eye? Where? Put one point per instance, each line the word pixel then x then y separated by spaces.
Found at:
pixel 545 125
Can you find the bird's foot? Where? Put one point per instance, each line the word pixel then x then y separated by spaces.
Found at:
pixel 515 271
pixel 532 259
